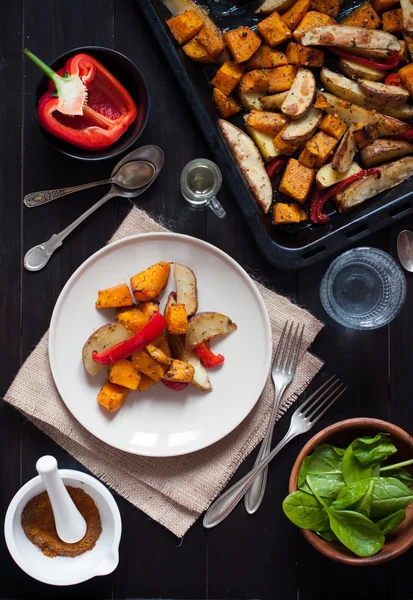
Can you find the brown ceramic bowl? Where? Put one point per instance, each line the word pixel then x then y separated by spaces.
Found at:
pixel 341 434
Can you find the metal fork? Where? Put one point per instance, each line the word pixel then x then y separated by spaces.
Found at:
pixel 283 371
pixel 303 419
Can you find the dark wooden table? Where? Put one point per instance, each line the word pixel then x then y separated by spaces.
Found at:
pixel 260 557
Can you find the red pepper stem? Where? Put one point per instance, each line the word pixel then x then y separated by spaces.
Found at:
pixel 37 61
pixel 153 329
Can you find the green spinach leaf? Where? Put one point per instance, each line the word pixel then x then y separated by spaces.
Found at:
pixel 389 495
pixel 305 511
pixel 355 531
pixel 392 521
pixel 400 474
pixel 325 469
pixel 350 494
pixel 353 470
pixel 363 506
pixel 328 535
pixel 370 450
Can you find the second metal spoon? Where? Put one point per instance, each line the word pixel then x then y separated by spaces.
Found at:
pixel 130 176
pixel 405 249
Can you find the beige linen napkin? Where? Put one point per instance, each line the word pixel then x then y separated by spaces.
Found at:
pixel 173 491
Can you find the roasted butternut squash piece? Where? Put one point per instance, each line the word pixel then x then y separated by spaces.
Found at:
pixel 149 307
pixel 212 41
pixel 284 213
pixel 393 21
pixel 112 396
pixel 274 30
pixel 365 134
pixel 158 355
pixel 148 284
pixel 382 5
pixel 334 126
pixel 163 344
pixel 266 122
pixel 124 373
pixel 404 51
pixel 329 7
pixel 176 318
pixel 254 81
pixel 266 58
pixel 242 42
pixel 363 16
pixel 281 79
pixel 197 52
pixel 294 15
pixel 285 148
pixel 145 382
pixel 310 20
pixel 227 106
pixel 406 75
pixel 228 77
pixel 180 371
pixel 146 364
pixel 297 180
pixel 317 150
pixel 185 26
pixel 132 318
pixel 304 56
pixel 114 297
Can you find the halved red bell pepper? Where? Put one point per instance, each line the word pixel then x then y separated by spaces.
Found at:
pixel 207 357
pixel 393 79
pixel 85 104
pixel 153 329
pixel 388 63
pixel 275 166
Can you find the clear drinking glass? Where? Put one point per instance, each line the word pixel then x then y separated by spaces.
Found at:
pixel 201 180
pixel 363 288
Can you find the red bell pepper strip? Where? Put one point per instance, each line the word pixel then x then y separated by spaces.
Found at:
pixel 407 136
pixel 86 106
pixel 208 358
pixel 176 386
pixel 389 63
pixel 393 79
pixel 153 329
pixel 319 198
pixel 275 166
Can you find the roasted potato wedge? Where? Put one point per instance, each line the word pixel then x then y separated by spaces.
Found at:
pixel 300 130
pixel 327 176
pixel 407 10
pixel 205 326
pixel 269 6
pixel 344 36
pixel 200 378
pixel 250 162
pixel 180 371
pixel 384 150
pixel 186 288
pixel 300 96
pixel 345 152
pixel 391 175
pixel 264 143
pixel 250 100
pixel 103 338
pixel 149 283
pixel 380 93
pixel 355 70
pixel 273 102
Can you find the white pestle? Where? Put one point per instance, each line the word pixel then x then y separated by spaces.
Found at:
pixel 70 525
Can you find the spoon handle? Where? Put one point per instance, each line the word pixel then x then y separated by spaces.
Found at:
pixel 37 257
pixel 38 198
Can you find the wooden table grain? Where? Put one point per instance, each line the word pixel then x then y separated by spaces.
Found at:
pixel 262 557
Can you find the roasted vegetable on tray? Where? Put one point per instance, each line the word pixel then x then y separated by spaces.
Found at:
pixel 326 96
pixel 145 346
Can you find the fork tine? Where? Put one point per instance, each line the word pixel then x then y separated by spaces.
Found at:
pixel 292 367
pixel 313 395
pixel 321 404
pixel 328 406
pixel 291 349
pixel 286 347
pixel 280 345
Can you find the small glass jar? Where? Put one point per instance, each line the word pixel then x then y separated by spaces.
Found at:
pixel 201 180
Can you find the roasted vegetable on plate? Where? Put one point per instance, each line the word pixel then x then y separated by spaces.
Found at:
pixel 326 96
pixel 144 347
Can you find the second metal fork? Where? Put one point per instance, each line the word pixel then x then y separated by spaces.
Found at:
pixel 283 371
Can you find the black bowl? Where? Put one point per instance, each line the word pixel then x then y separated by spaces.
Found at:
pixel 129 76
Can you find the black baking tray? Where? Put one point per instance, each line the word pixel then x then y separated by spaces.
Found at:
pixel 287 247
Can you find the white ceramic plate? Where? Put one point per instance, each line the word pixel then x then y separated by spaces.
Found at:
pixel 159 421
